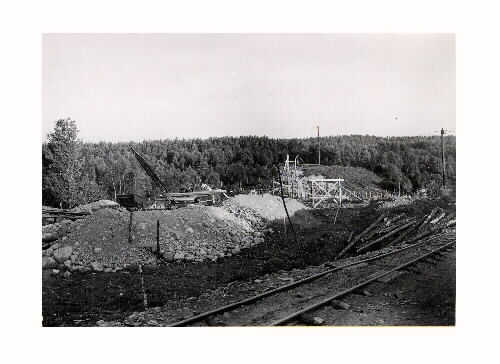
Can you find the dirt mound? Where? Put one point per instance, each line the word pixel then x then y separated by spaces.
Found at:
pixel 112 239
pixel 100 242
pixel 262 207
pixel 194 233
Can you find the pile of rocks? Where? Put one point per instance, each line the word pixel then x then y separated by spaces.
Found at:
pixel 398 201
pixel 195 233
pixel 99 242
pixel 53 232
pixel 110 240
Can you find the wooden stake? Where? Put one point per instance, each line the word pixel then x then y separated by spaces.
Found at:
pixel 158 238
pixel 284 205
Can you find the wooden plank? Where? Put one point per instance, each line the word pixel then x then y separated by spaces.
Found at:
pixel 385 236
pixel 358 237
pixel 437 219
pixel 429 217
pixel 403 236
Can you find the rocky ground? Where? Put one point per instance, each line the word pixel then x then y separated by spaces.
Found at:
pixel 402 300
pixel 111 238
pixel 87 296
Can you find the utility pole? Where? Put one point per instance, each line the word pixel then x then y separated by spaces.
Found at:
pixel 442 157
pixel 319 148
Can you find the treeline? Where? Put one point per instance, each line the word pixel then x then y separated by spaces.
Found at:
pixel 75 172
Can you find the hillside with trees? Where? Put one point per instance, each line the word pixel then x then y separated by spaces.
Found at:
pixel 74 172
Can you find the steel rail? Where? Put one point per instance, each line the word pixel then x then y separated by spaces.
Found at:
pixel 255 298
pixel 354 288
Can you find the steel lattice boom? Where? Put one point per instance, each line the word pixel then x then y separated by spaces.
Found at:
pixel 149 170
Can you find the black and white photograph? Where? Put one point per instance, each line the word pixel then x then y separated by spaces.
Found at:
pixel 249 182
pixel 248 179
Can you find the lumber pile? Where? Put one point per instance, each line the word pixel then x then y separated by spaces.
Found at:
pixel 54 213
pixel 390 230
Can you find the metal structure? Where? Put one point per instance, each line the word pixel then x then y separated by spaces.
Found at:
pixel 253 299
pixel 149 170
pixel 167 199
pixel 362 284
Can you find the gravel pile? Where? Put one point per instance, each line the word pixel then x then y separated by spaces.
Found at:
pixel 99 242
pixel 97 205
pixel 398 201
pixel 112 239
pixel 195 233
pixel 258 208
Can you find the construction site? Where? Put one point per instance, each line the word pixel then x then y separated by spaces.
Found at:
pixel 248 179
pixel 325 245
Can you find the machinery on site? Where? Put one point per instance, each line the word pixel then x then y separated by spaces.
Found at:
pixel 166 200
pixel 162 201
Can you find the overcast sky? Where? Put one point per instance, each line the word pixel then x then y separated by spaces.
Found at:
pixel 125 87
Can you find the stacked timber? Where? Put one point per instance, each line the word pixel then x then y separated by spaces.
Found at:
pixel 390 230
pixel 54 213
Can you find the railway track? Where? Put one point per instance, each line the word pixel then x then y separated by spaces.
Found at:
pixel 291 301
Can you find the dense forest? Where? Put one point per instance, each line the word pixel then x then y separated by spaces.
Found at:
pixel 74 172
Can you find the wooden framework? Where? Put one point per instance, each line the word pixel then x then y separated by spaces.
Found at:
pixel 295 185
pixel 326 190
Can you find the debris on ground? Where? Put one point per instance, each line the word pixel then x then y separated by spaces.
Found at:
pixel 258 207
pixel 309 320
pixel 123 244
pixel 112 238
pixel 96 206
pixel 398 201
pixel 339 305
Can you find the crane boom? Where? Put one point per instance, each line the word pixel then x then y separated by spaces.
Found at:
pixel 149 170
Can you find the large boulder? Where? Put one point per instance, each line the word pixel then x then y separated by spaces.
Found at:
pixel 169 257
pixel 62 254
pixel 48 263
pixel 258 240
pixel 179 256
pixel 50 236
pixel 96 266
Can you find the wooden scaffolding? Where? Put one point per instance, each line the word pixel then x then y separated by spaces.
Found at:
pixel 326 189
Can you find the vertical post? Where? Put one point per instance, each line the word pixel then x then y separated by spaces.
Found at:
pixel 284 228
pixel 319 148
pixel 158 238
pixel 340 193
pixel 442 157
pixel 312 193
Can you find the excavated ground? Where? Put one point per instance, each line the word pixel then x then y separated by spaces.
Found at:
pixel 85 298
